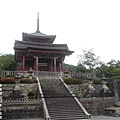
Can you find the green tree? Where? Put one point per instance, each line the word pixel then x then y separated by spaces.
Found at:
pixel 7 62
pixel 89 59
pixel 110 82
pixel 102 70
pixel 69 67
pixel 112 63
pixel 117 64
pixel 82 69
pixel 116 72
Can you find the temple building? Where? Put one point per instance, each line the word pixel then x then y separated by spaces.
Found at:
pixel 37 51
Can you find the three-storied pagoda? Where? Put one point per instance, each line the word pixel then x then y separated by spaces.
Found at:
pixel 37 51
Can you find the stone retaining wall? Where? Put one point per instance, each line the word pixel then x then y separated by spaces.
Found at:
pixel 22 109
pixel 24 88
pixel 80 88
pixel 96 106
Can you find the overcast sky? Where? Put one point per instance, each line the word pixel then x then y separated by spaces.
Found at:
pixel 79 23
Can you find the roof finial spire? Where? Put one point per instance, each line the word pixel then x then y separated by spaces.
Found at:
pixel 38 22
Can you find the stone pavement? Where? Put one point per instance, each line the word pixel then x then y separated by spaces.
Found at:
pixel 93 118
pixel 104 118
pixel 29 119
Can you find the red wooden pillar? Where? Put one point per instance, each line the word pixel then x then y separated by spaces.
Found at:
pixel 54 64
pixel 23 63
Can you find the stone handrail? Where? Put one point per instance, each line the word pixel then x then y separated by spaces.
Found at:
pixel 89 115
pixel 84 75
pixel 5 72
pixel 47 116
pixel 97 99
pixel 47 73
pixel 22 101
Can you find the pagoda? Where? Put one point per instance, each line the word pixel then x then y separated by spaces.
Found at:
pixel 36 51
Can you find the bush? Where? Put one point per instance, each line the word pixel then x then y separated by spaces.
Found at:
pixel 9 76
pixel 96 81
pixel 72 81
pixel 31 95
pixel 88 96
pixel 110 82
pixel 79 96
pixel 2 79
pixel 9 80
pixel 28 80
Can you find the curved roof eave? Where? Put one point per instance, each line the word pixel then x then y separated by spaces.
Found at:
pixel 39 35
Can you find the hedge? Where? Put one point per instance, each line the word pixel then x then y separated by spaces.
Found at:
pixel 72 81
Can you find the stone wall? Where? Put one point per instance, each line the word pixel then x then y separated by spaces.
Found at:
pixel 23 107
pixel 16 109
pixel 24 88
pixel 97 106
pixel 94 105
pixel 80 88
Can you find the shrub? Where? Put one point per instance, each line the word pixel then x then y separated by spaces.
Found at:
pixel 96 81
pixel 88 96
pixel 9 76
pixel 72 81
pixel 2 79
pixel 28 80
pixel 110 82
pixel 9 80
pixel 79 96
pixel 31 95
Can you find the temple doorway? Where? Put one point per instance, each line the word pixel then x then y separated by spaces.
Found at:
pixel 29 64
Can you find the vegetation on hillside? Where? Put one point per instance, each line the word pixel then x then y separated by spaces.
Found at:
pixel 88 62
pixel 7 62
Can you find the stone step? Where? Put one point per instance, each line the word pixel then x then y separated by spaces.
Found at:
pixel 64 109
pixel 68 113
pixel 68 117
pixel 61 104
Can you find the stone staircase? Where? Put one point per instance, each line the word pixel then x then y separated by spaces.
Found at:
pixel 60 103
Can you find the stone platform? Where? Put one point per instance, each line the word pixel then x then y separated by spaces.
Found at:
pixel 113 111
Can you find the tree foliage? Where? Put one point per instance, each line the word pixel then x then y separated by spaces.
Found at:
pixel 7 62
pixel 82 69
pixel 89 59
pixel 112 68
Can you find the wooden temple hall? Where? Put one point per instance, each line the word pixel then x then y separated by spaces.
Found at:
pixel 36 51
